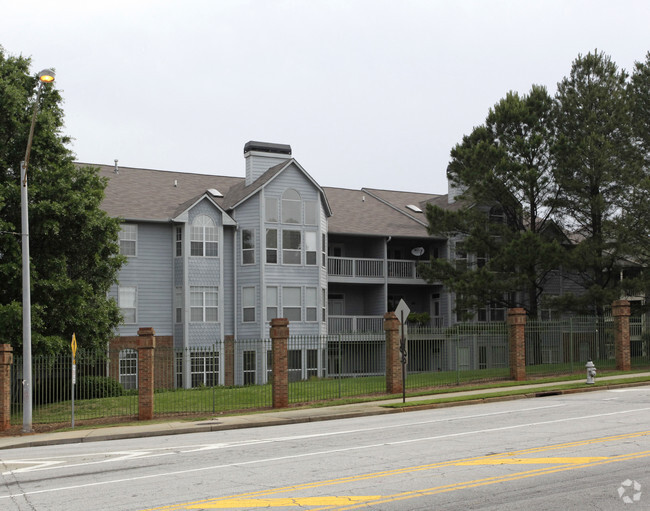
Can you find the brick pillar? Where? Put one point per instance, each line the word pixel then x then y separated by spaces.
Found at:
pixel 6 359
pixel 146 347
pixel 393 355
pixel 621 313
pixel 229 361
pixel 517 343
pixel 280 373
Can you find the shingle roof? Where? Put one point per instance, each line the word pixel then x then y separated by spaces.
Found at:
pixel 240 191
pixel 361 213
pixel 159 195
pixel 155 195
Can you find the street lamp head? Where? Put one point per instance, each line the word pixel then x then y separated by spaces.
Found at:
pixel 46 76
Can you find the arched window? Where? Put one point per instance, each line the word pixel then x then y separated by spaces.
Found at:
pixel 204 237
pixel 291 207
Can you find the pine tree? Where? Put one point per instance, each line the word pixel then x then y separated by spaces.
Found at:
pixel 597 169
pixel 505 172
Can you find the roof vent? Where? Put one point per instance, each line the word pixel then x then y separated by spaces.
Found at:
pixel 117 170
pixel 414 208
pixel 215 193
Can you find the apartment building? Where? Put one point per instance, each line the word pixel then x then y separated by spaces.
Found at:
pixel 212 259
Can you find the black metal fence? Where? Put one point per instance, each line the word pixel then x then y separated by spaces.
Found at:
pixel 222 378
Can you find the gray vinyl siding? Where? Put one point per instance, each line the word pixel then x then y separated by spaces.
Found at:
pixel 256 165
pixel 322 229
pixel 248 216
pixel 228 282
pixel 302 275
pixel 205 271
pixel 150 271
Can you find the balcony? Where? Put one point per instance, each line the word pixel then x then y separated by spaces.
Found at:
pixel 375 325
pixel 343 268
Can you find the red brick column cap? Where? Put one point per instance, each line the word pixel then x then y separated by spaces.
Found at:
pixel 6 354
pixel 391 322
pixel 279 328
pixel 621 308
pixel 516 315
pixel 147 330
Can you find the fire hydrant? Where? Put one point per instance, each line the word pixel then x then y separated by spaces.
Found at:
pixel 591 372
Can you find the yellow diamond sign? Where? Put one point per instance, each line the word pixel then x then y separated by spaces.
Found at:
pixel 73 345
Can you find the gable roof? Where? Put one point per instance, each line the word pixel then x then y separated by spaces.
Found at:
pixel 158 196
pixel 155 195
pixel 240 192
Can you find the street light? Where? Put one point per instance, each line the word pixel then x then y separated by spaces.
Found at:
pixel 45 76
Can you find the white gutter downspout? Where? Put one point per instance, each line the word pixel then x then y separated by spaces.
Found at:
pixel 235 282
pixel 386 271
pixel 186 309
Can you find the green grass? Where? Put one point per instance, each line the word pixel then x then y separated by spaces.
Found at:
pixel 516 392
pixel 312 392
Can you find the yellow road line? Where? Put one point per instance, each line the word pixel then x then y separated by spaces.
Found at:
pixel 493 459
pixel 286 502
pixel 532 461
pixel 488 481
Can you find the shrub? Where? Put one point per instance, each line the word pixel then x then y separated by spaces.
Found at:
pixel 91 387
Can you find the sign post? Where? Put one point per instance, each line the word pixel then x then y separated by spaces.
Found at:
pixel 73 345
pixel 402 312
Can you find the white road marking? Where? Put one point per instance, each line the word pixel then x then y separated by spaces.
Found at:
pixel 245 443
pixel 321 453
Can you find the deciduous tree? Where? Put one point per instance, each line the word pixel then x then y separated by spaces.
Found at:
pixel 73 243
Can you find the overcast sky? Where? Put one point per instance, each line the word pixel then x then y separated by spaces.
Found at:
pixel 368 93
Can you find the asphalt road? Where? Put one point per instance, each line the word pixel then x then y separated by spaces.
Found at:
pixel 582 451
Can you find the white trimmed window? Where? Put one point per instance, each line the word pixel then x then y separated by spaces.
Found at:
pixel 291 303
pixel 178 310
pixel 271 209
pixel 291 247
pixel 248 246
pixel 323 250
pixel 310 212
pixel 248 304
pixel 323 305
pixel 271 303
pixel 291 207
pixel 272 246
pixel 249 367
pixel 204 368
pixel 204 302
pixel 127 300
pixel 178 242
pixel 204 238
pixel 128 368
pixel 311 247
pixel 311 304
pixel 128 239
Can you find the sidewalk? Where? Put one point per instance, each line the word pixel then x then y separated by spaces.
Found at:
pixel 293 416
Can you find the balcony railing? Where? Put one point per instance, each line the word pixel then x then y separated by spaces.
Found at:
pixel 374 324
pixel 355 324
pixel 372 268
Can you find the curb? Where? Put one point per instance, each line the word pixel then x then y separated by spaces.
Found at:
pixel 282 421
